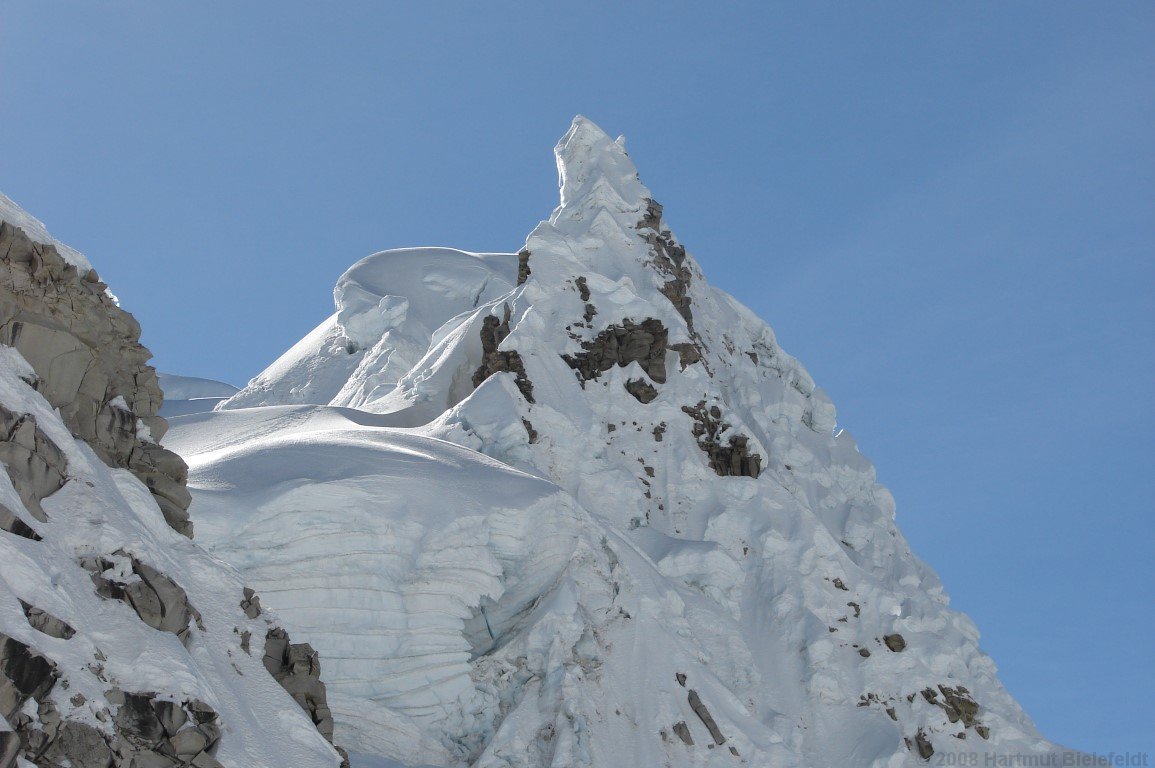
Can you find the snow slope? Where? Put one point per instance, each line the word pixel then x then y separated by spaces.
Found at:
pixel 587 514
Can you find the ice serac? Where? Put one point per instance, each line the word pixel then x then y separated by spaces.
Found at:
pixel 122 643
pixel 654 549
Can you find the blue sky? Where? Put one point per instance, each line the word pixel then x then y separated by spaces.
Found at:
pixel 947 212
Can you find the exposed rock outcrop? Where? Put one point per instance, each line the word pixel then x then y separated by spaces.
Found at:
pixel 9 748
pixel 704 715
pixel 26 675
pixel 35 464
pixel 297 667
pixel 922 744
pixel 11 522
pixel 523 270
pixel 64 337
pixel 583 287
pixel 45 622
pixel 956 703
pixel 895 643
pixel 642 390
pixel 669 257
pixel 147 729
pixel 149 725
pixel 644 343
pixel 251 603
pixel 87 354
pixel 494 360
pixel 159 601
pixel 730 458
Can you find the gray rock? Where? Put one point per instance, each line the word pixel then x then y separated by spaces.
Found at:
pixel 584 291
pixel 159 601
pixel 958 705
pixel 642 390
pixel 297 667
pixel 170 715
pixel 35 464
pixel 12 523
pixel 205 760
pixel 9 748
pixel 86 353
pixel 668 257
pixel 895 642
pixel 583 287
pixel 89 364
pixel 42 621
pixel 705 716
pixel 80 744
pixel 24 674
pixel 494 360
pixel 189 743
pixel 730 458
pixel 152 760
pixel 251 603
pixel 156 732
pixel 622 344
pixel 137 720
pixel 922 743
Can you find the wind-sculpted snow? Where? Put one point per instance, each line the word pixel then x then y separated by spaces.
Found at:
pixel 389 306
pixel 323 512
pixel 189 394
pixel 702 570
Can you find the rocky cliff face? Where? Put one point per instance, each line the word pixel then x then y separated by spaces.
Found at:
pixel 121 642
pixel 87 355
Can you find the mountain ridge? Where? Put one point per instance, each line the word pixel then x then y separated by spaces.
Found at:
pixel 716 514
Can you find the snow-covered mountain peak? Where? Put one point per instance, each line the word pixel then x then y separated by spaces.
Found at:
pixel 716 567
pixel 594 169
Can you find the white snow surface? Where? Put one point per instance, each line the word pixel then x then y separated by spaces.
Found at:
pixel 388 307
pixel 192 387
pixel 184 395
pixel 101 511
pixel 480 599
pixel 35 229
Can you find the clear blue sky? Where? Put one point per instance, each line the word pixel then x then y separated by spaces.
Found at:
pixel 946 211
